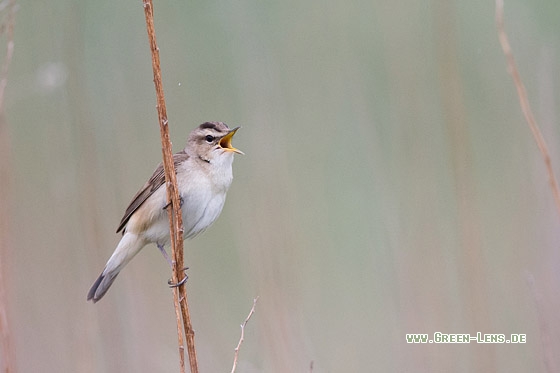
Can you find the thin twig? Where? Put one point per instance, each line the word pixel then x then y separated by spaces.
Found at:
pixel 243 335
pixel 175 216
pixel 524 101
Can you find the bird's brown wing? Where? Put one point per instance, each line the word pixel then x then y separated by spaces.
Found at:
pixel 157 180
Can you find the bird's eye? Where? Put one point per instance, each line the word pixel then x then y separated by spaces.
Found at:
pixel 209 138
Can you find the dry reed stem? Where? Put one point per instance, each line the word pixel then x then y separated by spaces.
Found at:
pixel 235 357
pixel 544 327
pixel 175 216
pixel 7 355
pixel 524 101
pixel 9 27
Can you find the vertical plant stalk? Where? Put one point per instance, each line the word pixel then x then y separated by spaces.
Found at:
pixel 7 355
pixel 549 356
pixel 9 29
pixel 524 102
pixel 175 216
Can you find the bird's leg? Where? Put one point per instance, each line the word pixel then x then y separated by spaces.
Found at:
pixel 169 282
pixel 164 253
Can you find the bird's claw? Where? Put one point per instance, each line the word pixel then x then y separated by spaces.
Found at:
pixel 174 285
pixel 181 201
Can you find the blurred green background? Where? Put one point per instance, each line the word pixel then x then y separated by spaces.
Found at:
pixel 390 184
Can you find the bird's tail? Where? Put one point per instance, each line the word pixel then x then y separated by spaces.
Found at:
pixel 127 248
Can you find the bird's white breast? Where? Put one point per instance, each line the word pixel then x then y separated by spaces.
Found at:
pixel 203 191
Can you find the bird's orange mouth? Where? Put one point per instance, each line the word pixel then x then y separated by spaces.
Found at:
pixel 225 142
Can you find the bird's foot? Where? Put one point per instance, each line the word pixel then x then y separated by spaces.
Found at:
pixel 174 285
pixel 181 201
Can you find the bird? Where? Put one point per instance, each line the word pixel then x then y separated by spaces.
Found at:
pixel 204 175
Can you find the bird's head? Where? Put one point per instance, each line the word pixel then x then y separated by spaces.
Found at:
pixel 211 141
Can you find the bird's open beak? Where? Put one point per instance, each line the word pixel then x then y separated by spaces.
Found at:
pixel 225 142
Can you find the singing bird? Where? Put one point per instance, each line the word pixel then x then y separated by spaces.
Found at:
pixel 204 175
